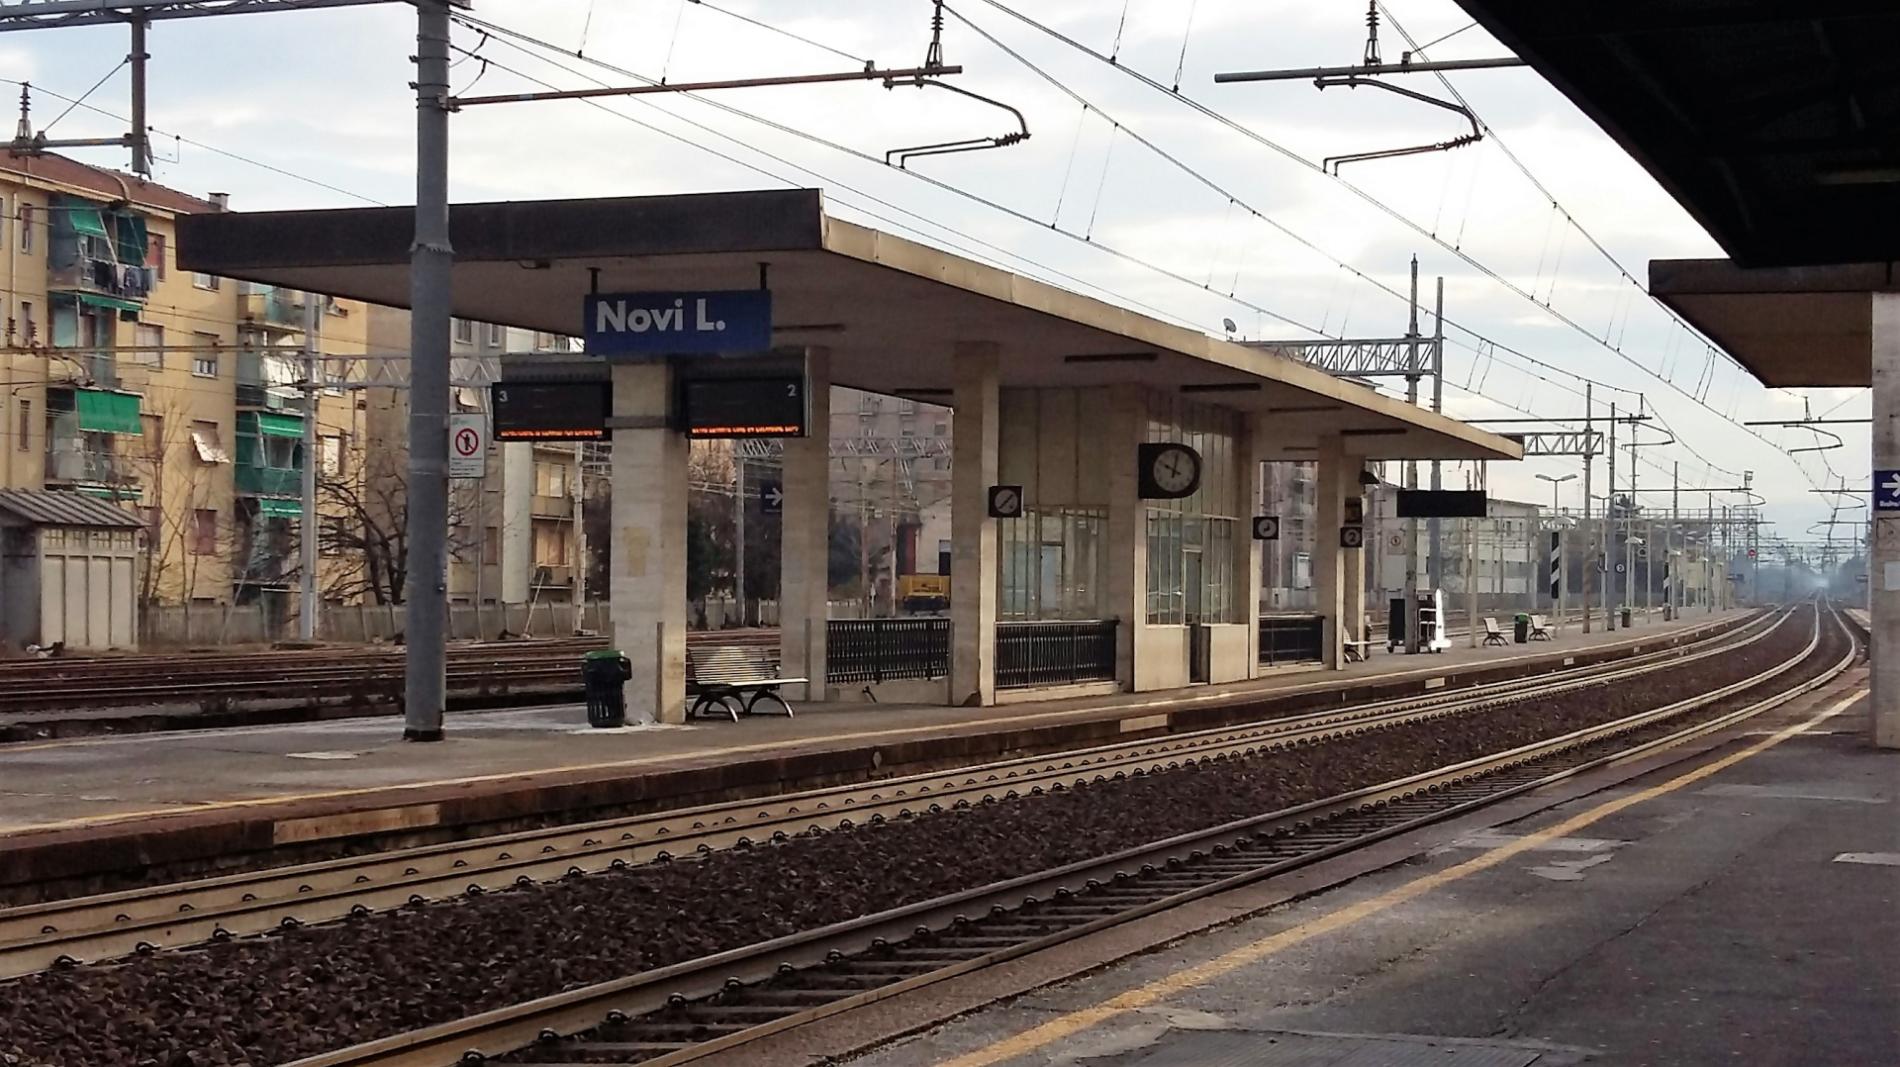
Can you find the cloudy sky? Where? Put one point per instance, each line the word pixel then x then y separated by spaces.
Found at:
pixel 1122 191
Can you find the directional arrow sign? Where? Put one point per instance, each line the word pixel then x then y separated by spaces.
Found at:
pixel 771 498
pixel 1887 490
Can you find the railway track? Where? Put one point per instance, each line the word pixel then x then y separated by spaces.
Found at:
pixel 688 1011
pixel 167 916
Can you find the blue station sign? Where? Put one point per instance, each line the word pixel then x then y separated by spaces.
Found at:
pixel 678 324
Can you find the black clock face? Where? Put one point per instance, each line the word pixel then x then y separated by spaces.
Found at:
pixel 1169 471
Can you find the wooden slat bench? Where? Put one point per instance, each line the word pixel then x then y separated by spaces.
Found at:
pixel 734 678
pixel 1492 635
pixel 1541 629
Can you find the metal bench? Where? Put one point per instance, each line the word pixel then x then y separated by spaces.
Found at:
pixel 734 678
pixel 1492 635
pixel 1541 629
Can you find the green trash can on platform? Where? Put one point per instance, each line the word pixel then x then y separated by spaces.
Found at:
pixel 1521 632
pixel 604 675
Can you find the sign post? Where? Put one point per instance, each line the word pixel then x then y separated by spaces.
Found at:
pixel 468 445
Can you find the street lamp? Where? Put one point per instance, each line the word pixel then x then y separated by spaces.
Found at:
pixel 1554 483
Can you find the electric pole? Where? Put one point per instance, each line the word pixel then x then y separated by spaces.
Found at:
pixel 307 514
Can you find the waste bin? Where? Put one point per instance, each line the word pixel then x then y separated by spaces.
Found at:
pixel 1626 618
pixel 1669 612
pixel 604 674
pixel 1522 631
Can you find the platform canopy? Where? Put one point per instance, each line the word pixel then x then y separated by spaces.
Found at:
pixel 889 310
pixel 1772 122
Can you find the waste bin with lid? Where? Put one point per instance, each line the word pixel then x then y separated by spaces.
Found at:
pixel 1521 633
pixel 1626 618
pixel 604 674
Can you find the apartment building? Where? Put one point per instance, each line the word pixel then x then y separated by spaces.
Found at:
pixel 174 393
pixel 515 536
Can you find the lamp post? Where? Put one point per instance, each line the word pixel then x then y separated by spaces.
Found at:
pixel 1563 578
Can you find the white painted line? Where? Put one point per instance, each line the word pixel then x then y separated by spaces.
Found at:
pixel 321 755
pixel 1876 859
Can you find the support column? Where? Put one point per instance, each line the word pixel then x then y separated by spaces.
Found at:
pixel 974 426
pixel 1119 442
pixel 647 572
pixel 1329 563
pixel 805 538
pixel 517 521
pixel 1249 554
pixel 1884 575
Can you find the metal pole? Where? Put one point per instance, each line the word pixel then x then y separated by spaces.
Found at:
pixel 307 514
pixel 1411 482
pixel 431 275
pixel 738 543
pixel 141 140
pixel 1609 532
pixel 1675 534
pixel 1629 528
pixel 1434 558
pixel 580 535
pixel 1587 560
pixel 1649 566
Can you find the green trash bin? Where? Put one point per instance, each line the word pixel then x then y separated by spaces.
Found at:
pixel 604 675
pixel 1521 633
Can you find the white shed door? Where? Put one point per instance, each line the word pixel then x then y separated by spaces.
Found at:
pixel 125 593
pixel 98 602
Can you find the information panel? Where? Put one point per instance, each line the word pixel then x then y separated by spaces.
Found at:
pixel 1441 504
pixel 550 411
pixel 762 406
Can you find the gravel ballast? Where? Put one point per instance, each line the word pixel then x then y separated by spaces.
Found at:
pixel 277 998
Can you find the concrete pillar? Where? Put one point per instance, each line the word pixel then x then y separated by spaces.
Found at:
pixel 1119 444
pixel 1250 555
pixel 805 538
pixel 975 421
pixel 1884 575
pixel 1354 617
pixel 517 521
pixel 647 572
pixel 1329 563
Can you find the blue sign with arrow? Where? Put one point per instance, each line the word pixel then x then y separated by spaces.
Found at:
pixel 1887 490
pixel 678 324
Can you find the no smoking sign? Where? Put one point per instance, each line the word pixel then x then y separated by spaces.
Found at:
pixel 468 445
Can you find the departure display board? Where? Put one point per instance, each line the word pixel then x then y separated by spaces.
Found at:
pixel 764 406
pixel 1441 504
pixel 550 411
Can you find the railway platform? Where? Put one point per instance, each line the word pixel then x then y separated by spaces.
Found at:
pixel 93 810
pixel 1730 907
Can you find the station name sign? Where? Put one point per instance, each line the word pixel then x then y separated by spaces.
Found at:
pixel 679 323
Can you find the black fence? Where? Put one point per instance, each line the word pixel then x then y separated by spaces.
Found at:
pixel 1054 653
pixel 880 650
pixel 1291 638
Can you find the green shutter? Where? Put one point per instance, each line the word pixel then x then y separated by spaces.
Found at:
pixel 112 303
pixel 273 425
pixel 85 221
pixel 132 239
pixel 279 509
pixel 103 412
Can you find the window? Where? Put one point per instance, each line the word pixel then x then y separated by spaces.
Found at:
pixel 205 442
pixel 26 321
pixel 1191 541
pixel 550 479
pixel 1051 564
pixel 496 335
pixel 562 343
pixel 331 453
pixel 153 429
pixel 26 227
pixel 22 443
pixel 151 517
pixel 868 405
pixel 464 332
pixel 550 544
pixel 150 342
pixel 491 546
pixel 333 535
pixel 907 406
pixel 204 356
pixel 204 532
pixel 209 282
pixel 155 255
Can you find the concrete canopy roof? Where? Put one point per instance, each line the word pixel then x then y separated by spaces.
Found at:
pixel 1790 326
pixel 889 310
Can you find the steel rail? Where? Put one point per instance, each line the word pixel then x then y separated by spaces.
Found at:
pixel 141 920
pixel 617 1003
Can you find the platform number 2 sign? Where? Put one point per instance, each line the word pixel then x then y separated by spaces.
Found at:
pixel 468 445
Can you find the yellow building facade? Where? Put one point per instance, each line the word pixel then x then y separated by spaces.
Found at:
pixel 179 395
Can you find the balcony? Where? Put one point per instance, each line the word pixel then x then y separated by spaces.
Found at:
pixel 552 507
pixel 109 283
pixel 68 463
pixel 553 577
pixel 253 480
pixel 278 308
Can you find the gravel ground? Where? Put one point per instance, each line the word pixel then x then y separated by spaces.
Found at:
pixel 277 998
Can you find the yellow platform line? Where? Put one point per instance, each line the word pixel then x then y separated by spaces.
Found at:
pixel 1143 996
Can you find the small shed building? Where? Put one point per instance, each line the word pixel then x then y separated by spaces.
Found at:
pixel 68 571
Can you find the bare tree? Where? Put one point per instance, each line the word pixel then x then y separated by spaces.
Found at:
pixel 367 525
